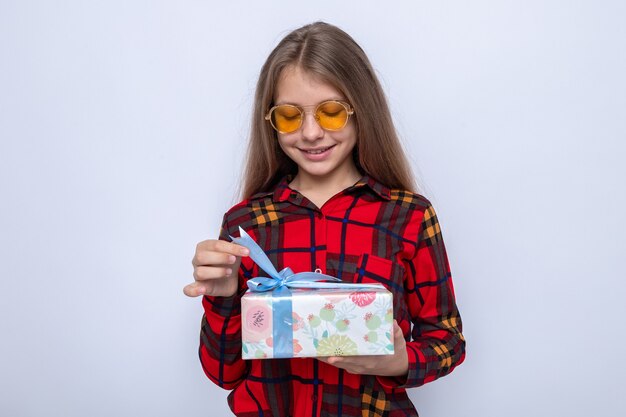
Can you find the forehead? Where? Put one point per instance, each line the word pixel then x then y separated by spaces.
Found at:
pixel 297 86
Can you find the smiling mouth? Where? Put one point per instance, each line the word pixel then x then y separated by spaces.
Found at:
pixel 316 151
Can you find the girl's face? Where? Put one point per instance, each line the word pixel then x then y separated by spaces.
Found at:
pixel 321 155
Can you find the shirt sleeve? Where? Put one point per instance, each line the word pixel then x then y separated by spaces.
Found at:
pixel 220 335
pixel 437 345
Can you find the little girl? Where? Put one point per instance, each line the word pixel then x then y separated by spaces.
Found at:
pixel 327 187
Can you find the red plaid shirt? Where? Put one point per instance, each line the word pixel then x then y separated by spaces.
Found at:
pixel 366 233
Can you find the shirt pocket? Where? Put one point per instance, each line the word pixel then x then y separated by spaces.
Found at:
pixel 373 269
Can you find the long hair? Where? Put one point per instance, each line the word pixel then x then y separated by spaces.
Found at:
pixel 330 54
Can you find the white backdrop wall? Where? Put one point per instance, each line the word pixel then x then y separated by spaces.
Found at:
pixel 122 130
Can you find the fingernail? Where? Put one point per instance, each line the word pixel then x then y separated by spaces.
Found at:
pixel 229 271
pixel 244 252
pixel 231 259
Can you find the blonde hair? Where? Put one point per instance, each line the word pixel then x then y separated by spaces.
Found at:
pixel 330 54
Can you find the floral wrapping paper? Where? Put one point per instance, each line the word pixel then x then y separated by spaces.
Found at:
pixel 325 322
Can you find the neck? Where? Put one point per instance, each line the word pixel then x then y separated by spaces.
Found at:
pixel 320 189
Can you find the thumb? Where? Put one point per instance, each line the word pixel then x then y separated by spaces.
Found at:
pixel 398 336
pixel 193 290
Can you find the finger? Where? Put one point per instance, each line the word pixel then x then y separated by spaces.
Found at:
pixel 398 335
pixel 203 273
pixel 333 360
pixel 398 338
pixel 194 290
pixel 338 362
pixel 207 258
pixel 223 246
pixel 351 364
pixel 361 360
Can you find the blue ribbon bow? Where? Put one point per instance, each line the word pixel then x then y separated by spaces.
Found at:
pixel 279 284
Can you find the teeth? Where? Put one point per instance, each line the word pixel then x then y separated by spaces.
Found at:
pixel 317 151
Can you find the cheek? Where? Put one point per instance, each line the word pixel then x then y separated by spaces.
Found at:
pixel 351 128
pixel 285 144
pixel 286 141
pixel 349 136
pixel 281 142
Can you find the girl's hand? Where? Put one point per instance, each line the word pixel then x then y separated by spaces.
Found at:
pixel 215 267
pixel 379 365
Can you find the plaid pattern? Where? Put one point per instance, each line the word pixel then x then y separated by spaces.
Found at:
pixel 373 403
pixel 367 233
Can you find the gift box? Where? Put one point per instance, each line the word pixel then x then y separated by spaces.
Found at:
pixel 320 322
pixel 289 315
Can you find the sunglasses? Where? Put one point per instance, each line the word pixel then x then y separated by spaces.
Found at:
pixel 330 115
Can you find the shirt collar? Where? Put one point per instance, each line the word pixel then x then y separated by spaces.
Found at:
pixel 377 187
pixel 283 192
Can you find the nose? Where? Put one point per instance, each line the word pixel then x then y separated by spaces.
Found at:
pixel 311 130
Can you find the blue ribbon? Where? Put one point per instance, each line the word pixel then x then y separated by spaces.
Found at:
pixel 279 283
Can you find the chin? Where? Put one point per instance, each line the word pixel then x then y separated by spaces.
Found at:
pixel 317 172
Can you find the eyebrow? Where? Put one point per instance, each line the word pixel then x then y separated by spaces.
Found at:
pixel 280 103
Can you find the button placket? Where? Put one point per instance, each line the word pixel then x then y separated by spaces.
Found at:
pixel 320 240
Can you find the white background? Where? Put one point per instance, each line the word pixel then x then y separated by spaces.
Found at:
pixel 123 126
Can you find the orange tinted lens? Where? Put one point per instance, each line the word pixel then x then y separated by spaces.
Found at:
pixel 286 118
pixel 332 115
